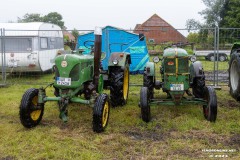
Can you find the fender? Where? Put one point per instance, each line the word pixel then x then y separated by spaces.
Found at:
pixel 150 69
pixel 196 70
pixel 119 59
pixel 235 47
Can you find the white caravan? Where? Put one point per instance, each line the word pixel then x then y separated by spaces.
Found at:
pixel 29 47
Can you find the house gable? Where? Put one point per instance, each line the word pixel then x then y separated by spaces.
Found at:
pixel 157 30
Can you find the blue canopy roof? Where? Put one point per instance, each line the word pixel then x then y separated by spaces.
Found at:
pixel 118 40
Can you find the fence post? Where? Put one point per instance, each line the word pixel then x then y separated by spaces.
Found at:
pixel 215 49
pixel 3 69
pixel 216 46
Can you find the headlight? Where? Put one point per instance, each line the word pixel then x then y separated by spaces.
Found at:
pixel 193 58
pixel 115 62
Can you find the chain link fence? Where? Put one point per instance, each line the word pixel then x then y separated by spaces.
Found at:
pixel 27 56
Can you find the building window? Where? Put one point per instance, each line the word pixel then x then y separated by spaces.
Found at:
pixel 164 29
pixel 151 41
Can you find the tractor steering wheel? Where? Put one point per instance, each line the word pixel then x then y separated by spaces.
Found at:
pixel 89 45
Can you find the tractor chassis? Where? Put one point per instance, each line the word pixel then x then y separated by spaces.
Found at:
pixel 64 100
pixel 194 101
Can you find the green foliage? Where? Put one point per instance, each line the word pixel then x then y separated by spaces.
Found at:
pixel 193 38
pixel 66 38
pixel 232 14
pixel 192 24
pixel 34 17
pixel 213 13
pixel 52 17
pixel 75 33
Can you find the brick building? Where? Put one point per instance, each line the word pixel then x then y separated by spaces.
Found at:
pixel 158 31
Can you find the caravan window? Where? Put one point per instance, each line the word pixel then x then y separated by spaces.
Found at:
pixel 51 43
pixel 43 43
pixel 13 44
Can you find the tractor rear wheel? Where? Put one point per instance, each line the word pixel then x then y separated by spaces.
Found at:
pixel 144 104
pixel 234 76
pixel 148 82
pixel 119 85
pixel 210 110
pixel 30 113
pixel 198 86
pixel 101 112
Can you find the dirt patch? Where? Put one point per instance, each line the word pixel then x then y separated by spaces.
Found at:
pixel 145 135
pixel 8 158
pixel 234 140
pixel 187 153
pixel 222 76
pixel 232 104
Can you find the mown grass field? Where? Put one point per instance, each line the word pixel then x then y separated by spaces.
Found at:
pixel 175 132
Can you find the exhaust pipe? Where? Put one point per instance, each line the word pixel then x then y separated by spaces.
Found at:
pixel 97 55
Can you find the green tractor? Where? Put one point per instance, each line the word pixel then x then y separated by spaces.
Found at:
pixel 179 72
pixel 75 75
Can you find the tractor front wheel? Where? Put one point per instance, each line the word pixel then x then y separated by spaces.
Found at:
pixel 198 86
pixel 210 110
pixel 101 112
pixel 144 104
pixel 148 82
pixel 119 86
pixel 30 113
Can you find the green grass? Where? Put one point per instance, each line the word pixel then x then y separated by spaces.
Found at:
pixel 209 65
pixel 175 132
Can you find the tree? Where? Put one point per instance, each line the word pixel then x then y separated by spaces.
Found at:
pixel 213 14
pixel 231 14
pixel 33 17
pixel 193 38
pixel 192 24
pixel 52 17
pixel 75 33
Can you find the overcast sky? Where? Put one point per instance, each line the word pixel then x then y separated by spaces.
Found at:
pixel 86 14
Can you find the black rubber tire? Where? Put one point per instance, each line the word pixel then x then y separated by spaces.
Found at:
pixel 234 76
pixel 210 111
pixel 28 109
pixel 101 112
pixel 148 81
pixel 117 86
pixel 198 86
pixel 144 104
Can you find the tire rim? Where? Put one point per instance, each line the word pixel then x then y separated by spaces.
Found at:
pixel 125 83
pixel 35 114
pixel 105 114
pixel 222 58
pixel 234 75
pixel 212 58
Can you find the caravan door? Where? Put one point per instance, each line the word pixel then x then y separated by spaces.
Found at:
pixel 49 47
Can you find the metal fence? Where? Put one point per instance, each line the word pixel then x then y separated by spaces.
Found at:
pixel 21 61
pixel 3 58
